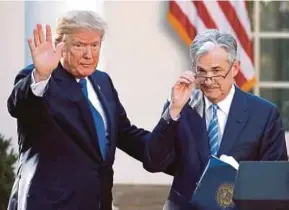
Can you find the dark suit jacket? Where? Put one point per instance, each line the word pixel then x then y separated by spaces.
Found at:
pixel 253 132
pixel 61 166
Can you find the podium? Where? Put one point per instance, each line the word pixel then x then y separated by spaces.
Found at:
pixel 262 185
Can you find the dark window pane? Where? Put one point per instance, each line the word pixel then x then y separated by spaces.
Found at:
pixel 251 11
pixel 280 97
pixel 274 62
pixel 274 16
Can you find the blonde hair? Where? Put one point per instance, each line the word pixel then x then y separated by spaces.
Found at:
pixel 78 19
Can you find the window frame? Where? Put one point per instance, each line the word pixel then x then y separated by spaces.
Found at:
pixel 257 35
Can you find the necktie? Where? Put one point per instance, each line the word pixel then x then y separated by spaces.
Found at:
pixel 213 131
pixel 98 121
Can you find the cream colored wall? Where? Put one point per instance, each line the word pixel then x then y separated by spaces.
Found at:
pixel 11 59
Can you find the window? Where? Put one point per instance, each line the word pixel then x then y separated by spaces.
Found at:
pixel 270 25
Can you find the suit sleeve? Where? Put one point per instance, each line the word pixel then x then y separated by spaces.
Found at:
pixel 273 145
pixel 132 139
pixel 22 102
pixel 160 152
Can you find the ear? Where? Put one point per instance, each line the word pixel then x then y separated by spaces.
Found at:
pixel 100 45
pixel 65 46
pixel 64 50
pixel 236 67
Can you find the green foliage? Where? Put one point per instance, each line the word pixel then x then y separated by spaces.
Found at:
pixel 7 161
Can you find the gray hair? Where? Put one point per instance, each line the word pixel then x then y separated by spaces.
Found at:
pixel 78 19
pixel 204 43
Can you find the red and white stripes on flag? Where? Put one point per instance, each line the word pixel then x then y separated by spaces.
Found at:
pixel 191 17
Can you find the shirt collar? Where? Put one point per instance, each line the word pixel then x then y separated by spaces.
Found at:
pixel 223 105
pixel 77 79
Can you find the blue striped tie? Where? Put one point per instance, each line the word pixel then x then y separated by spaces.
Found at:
pixel 98 121
pixel 213 131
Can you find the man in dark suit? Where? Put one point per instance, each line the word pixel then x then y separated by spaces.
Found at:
pixel 70 121
pixel 213 117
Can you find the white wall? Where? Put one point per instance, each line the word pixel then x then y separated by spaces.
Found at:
pixel 11 59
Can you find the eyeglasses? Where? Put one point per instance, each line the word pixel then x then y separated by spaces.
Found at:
pixel 216 78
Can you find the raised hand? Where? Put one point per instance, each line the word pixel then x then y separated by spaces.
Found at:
pixel 45 57
pixel 181 93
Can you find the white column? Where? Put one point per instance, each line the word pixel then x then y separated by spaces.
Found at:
pixel 12 60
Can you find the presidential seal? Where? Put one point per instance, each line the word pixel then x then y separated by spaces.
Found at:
pixel 224 196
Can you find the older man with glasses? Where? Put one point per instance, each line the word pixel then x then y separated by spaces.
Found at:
pixel 213 117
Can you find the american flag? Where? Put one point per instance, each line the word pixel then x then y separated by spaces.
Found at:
pixel 191 17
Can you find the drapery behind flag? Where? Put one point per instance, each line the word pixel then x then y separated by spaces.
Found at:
pixel 191 17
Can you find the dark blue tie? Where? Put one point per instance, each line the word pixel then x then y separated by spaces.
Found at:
pixel 98 121
pixel 213 131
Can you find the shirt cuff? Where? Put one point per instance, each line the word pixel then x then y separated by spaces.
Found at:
pixel 167 117
pixel 38 89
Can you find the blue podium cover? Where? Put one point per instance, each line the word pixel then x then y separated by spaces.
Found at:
pixel 215 188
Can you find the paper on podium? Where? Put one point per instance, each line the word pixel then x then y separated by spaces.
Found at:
pixel 230 160
pixel 215 188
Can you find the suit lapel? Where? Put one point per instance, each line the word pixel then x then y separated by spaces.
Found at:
pixel 68 84
pixel 238 116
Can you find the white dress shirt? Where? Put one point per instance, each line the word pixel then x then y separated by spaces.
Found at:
pixel 222 112
pixel 38 89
